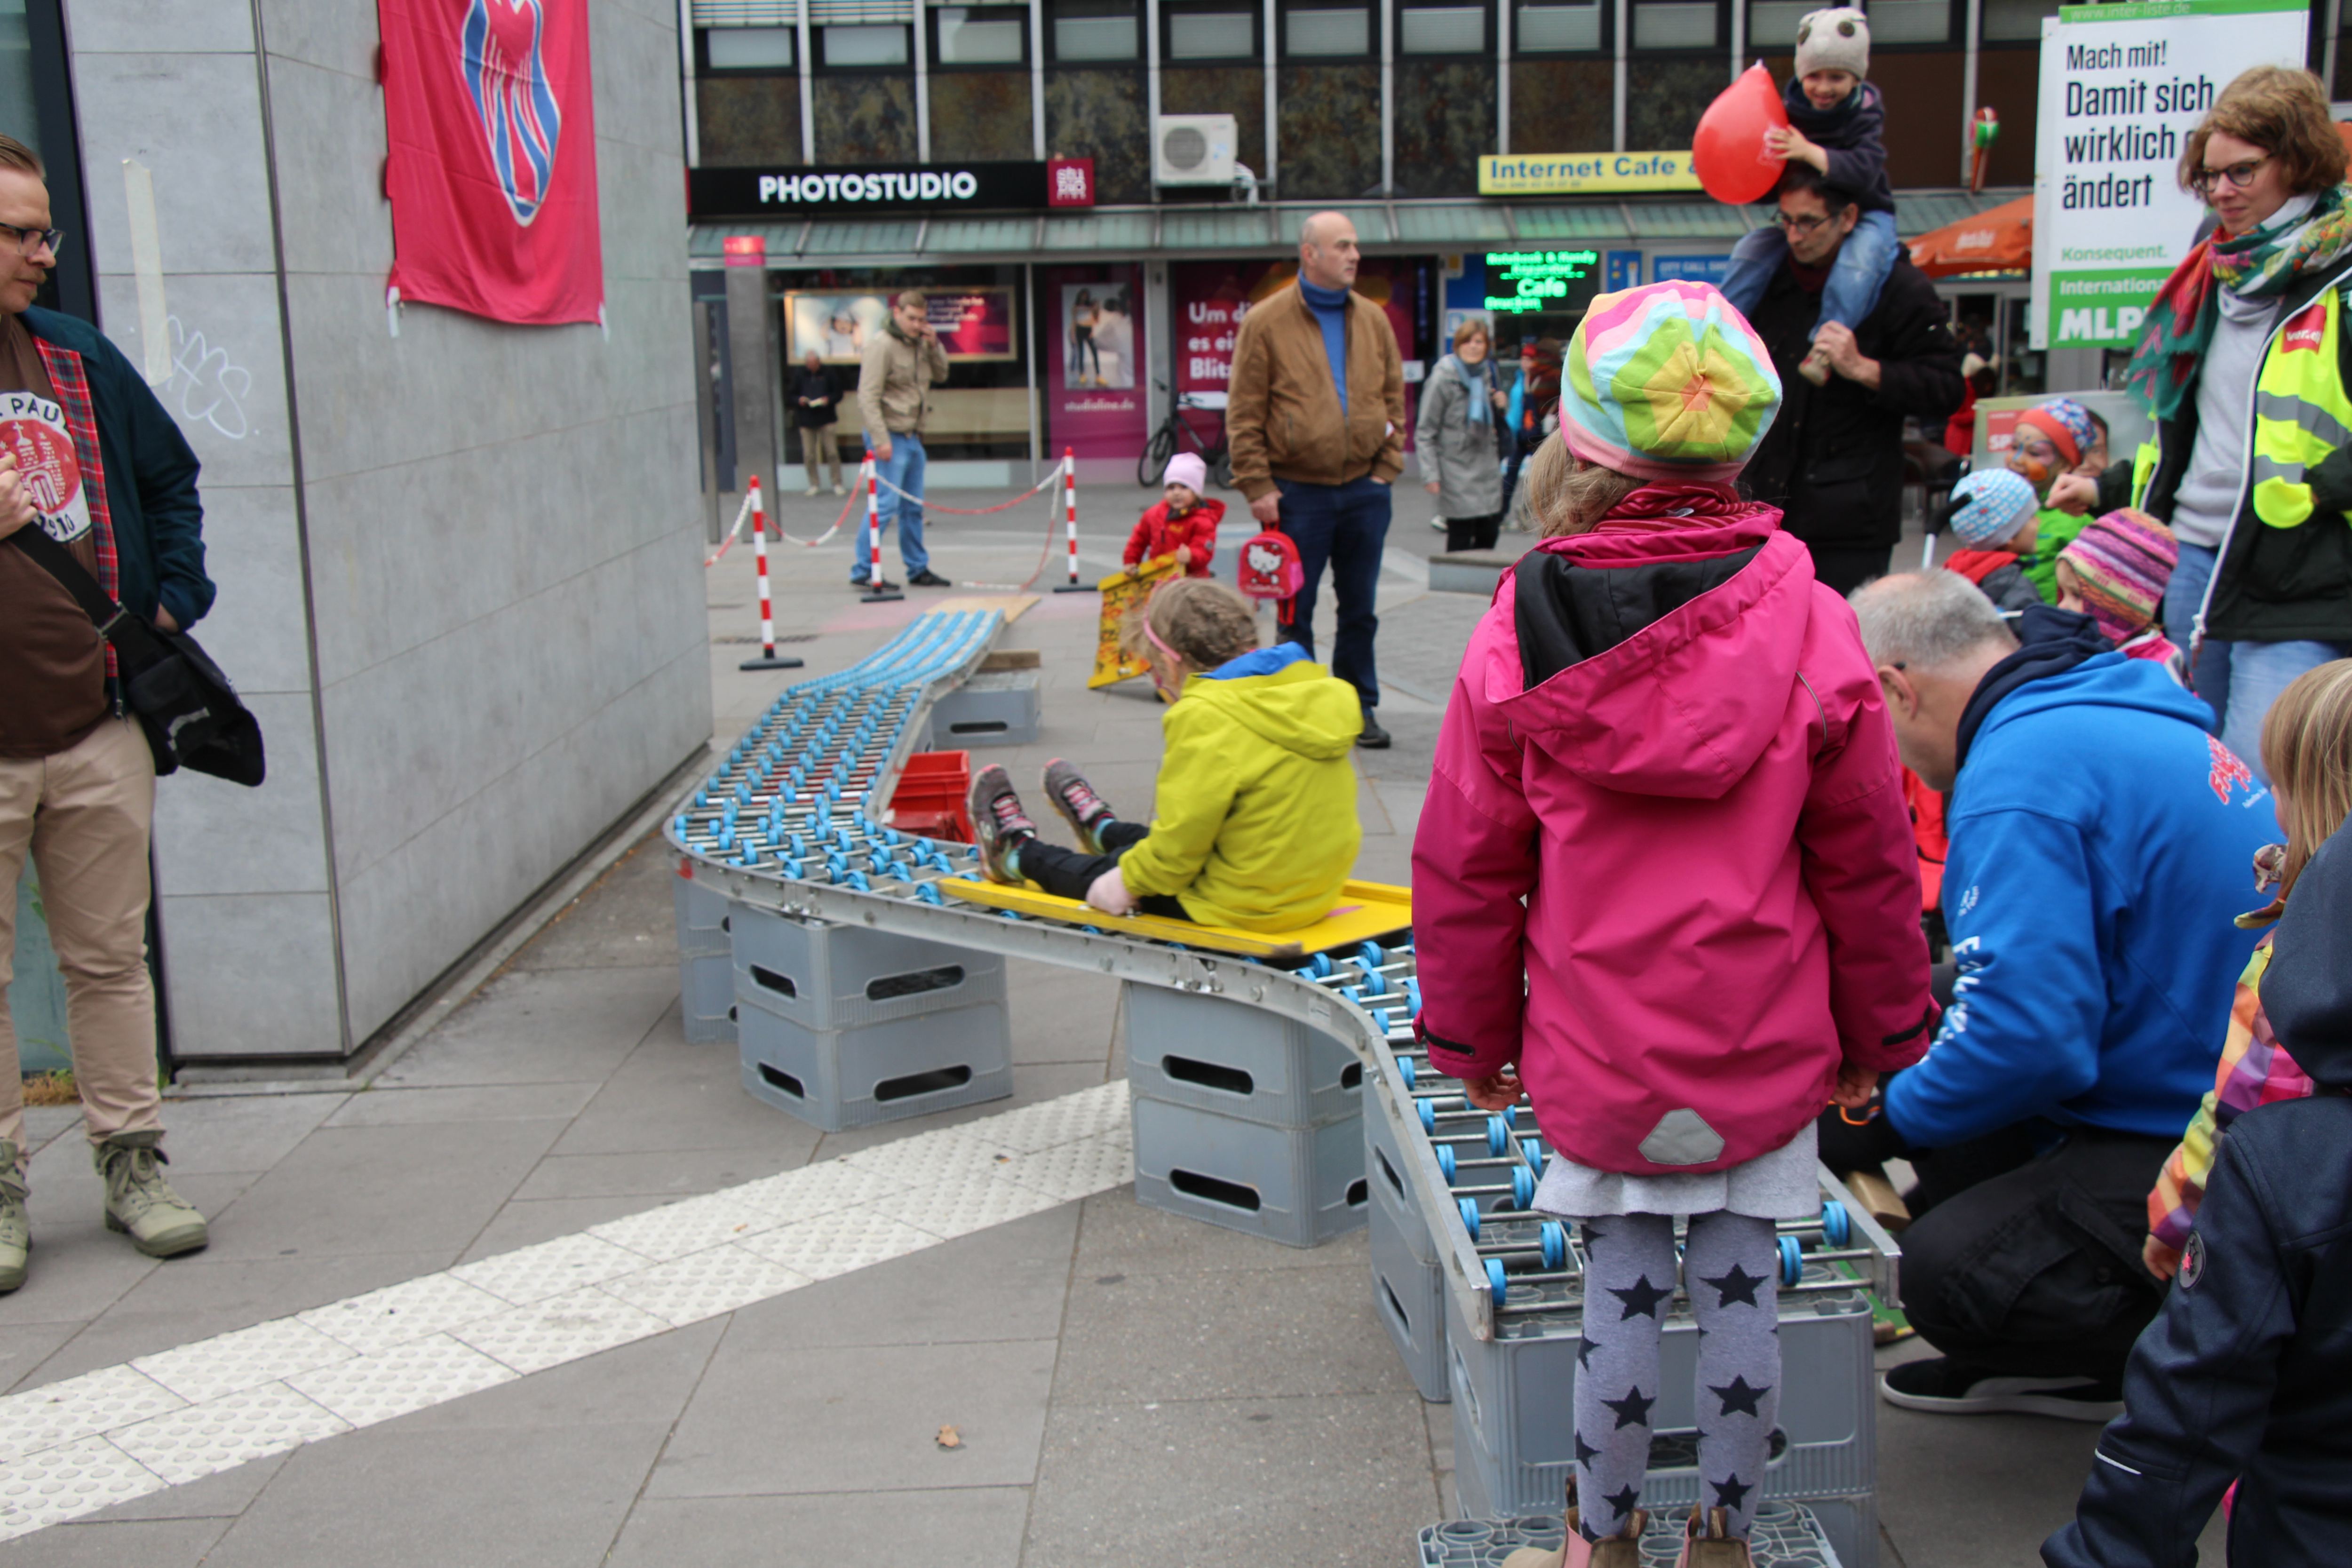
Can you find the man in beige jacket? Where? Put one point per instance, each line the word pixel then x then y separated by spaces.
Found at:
pixel 902 363
pixel 1316 416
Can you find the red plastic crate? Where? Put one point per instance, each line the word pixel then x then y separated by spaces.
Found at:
pixel 932 798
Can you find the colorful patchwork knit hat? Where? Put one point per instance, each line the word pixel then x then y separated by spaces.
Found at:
pixel 1667 382
pixel 2122 560
pixel 1987 505
pixel 2067 423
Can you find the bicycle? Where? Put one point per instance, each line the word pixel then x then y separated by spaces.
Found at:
pixel 1162 445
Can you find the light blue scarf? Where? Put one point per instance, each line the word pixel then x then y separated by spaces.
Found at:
pixel 1474 383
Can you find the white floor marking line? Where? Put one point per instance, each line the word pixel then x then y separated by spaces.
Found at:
pixel 85 1443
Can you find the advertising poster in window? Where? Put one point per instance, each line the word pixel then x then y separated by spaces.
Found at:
pixel 973 323
pixel 1212 297
pixel 1093 356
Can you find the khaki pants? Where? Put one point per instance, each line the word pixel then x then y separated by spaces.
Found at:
pixel 85 814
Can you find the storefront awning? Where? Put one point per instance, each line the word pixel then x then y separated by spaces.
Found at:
pixel 1228 230
pixel 1998 240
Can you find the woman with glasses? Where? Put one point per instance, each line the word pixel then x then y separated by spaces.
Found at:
pixel 2248 364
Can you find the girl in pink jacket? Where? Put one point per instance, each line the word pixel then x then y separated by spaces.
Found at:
pixel 1666 791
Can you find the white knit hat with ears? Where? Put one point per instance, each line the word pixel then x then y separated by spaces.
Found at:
pixel 1836 39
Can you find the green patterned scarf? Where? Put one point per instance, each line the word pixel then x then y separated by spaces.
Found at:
pixel 2260 264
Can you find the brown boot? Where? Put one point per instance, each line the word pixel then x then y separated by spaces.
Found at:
pixel 1714 1547
pixel 1622 1549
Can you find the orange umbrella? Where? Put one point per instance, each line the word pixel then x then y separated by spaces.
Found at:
pixel 1998 240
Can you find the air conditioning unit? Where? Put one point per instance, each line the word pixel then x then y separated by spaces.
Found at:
pixel 1194 149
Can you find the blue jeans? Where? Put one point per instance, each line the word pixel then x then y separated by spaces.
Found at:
pixel 1347 526
pixel 2209 676
pixel 1856 278
pixel 2259 671
pixel 904 468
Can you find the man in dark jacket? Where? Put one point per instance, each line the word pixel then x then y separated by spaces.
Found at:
pixel 1834 460
pixel 814 395
pixel 2247 1374
pixel 108 477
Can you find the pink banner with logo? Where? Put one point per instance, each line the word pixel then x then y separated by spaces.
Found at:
pixel 1094 358
pixel 492 174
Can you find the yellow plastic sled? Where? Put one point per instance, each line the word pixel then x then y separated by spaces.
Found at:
pixel 1366 909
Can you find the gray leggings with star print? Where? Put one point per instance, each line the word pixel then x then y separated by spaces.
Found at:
pixel 1729 1268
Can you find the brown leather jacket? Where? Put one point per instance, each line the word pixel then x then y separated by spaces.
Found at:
pixel 1282 413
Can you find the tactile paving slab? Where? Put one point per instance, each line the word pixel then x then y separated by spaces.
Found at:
pixel 1786 1535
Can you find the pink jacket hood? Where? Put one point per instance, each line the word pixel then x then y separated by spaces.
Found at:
pixel 1666 792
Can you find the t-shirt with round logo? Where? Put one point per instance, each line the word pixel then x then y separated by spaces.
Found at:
pixel 56 694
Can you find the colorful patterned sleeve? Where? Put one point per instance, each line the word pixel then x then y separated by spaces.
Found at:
pixel 2255 1070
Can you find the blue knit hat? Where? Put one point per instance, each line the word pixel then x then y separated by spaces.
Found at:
pixel 1990 505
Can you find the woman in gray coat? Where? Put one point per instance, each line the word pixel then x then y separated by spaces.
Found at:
pixel 1458 438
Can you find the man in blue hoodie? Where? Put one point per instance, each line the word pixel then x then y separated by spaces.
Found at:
pixel 2101 843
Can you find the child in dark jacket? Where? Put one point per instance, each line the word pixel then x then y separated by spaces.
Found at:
pixel 1991 515
pixel 1182 524
pixel 1836 121
pixel 2247 1373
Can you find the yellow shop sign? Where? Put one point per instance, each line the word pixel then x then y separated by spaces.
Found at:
pixel 1580 173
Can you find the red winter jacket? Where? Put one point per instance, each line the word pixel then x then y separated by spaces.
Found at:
pixel 1157 534
pixel 1666 739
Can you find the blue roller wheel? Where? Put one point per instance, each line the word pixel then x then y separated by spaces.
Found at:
pixel 1375 983
pixel 1446 1161
pixel 1497 1282
pixel 1792 1260
pixel 1523 1186
pixel 1428 1116
pixel 1406 1069
pixel 1468 1208
pixel 1555 1245
pixel 1319 966
pixel 858 879
pixel 1531 1150
pixel 1837 1227
pixel 928 893
pixel 1370 956
pixel 1380 1019
pixel 1498 1135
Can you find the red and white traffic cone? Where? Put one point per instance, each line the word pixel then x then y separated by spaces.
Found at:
pixel 767 659
pixel 876 593
pixel 1070 510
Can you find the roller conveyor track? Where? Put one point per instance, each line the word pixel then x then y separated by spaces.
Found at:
pixel 792 822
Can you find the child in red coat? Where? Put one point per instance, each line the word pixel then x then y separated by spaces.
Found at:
pixel 1182 524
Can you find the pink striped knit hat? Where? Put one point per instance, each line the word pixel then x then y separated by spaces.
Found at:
pixel 2122 560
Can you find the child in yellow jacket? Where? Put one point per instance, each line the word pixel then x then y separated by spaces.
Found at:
pixel 1256 821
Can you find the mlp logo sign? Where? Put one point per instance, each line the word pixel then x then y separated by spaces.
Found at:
pixel 492 177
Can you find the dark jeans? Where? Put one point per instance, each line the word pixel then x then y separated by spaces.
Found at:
pixel 1068 873
pixel 1472 533
pixel 1521 443
pixel 1843 571
pixel 1346 525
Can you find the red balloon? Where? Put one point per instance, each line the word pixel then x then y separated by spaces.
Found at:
pixel 1728 152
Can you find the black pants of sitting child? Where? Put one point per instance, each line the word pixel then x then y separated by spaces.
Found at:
pixel 1068 873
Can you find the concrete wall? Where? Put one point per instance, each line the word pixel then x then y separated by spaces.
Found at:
pixel 459 569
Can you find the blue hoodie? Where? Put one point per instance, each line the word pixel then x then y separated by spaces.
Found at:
pixel 2101 843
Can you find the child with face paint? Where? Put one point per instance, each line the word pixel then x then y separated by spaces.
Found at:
pixel 2053 439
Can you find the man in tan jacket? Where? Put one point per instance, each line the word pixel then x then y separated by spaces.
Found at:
pixel 902 363
pixel 1316 416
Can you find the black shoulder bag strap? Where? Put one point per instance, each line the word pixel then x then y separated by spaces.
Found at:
pixel 135 644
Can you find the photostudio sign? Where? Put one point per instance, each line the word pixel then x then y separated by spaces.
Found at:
pixel 788 191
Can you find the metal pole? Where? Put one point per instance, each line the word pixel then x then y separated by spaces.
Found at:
pixel 1273 164
pixel 1070 505
pixel 1617 86
pixel 875 592
pixel 685 82
pixel 1037 78
pixel 808 90
pixel 1045 316
pixel 1151 83
pixel 922 89
pixel 767 659
pixel 1388 98
pixel 1501 78
pixel 1969 89
pixel 1739 37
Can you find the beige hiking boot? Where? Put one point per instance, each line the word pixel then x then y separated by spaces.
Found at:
pixel 141 1202
pixel 15 1230
pixel 1622 1549
pixel 1711 1546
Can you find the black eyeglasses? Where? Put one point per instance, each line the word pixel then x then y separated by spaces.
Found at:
pixel 1799 225
pixel 31 239
pixel 2240 176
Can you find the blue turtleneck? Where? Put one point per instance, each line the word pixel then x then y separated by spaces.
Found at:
pixel 1330 308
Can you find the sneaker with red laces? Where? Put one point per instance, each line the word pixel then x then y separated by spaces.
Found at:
pixel 1086 812
pixel 998 826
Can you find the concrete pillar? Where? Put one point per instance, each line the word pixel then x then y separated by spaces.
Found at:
pixel 752 371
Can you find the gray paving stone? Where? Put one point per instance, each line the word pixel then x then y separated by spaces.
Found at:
pixel 401 1494
pixel 387 1106
pixel 1222 1334
pixel 160 1543
pixel 775 1419
pixel 970 1527
pixel 670 1095
pixel 1007 1283
pixel 659 1173
pixel 1336 1482
pixel 526 1224
pixel 1048 1080
pixel 648 1381
pixel 1119 1235
pixel 619 919
pixel 1059 1015
pixel 242 1132
pixel 44 1123
pixel 550 1026
pixel 221 1496
pixel 24 1348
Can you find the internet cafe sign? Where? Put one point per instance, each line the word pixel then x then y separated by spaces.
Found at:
pixel 802 190
pixel 1584 173
pixel 2123 86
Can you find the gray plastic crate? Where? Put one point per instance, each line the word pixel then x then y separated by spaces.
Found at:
pixel 1786 1535
pixel 1237 1060
pixel 996 708
pixel 1391 1175
pixel 1514 1428
pixel 1408 1297
pixel 835 1079
pixel 706 972
pixel 1297 1186
pixel 827 976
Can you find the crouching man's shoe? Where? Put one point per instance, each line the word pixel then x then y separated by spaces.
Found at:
pixel 140 1202
pixel 15 1230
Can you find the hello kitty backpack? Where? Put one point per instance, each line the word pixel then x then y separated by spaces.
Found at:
pixel 1270 568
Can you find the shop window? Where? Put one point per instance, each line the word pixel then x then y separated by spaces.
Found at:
pixel 1675 24
pixel 1212 34
pixel 1326 33
pixel 862 45
pixel 762 49
pixel 1085 31
pixel 1772 23
pixel 2015 21
pixel 1441 30
pixel 976 35
pixel 1558 29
